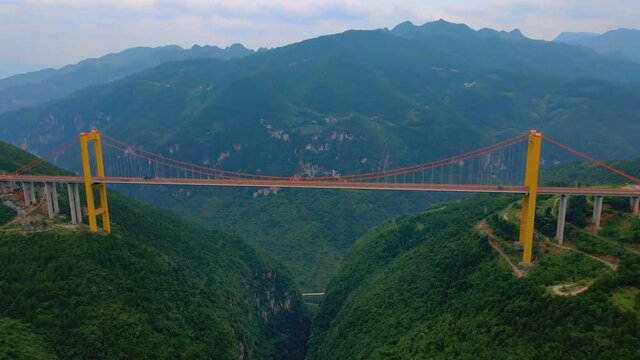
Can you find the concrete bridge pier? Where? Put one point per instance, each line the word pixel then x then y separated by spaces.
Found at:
pixel 8 187
pixel 54 193
pixel 29 193
pixel 597 210
pixel 562 214
pixel 74 203
pixel 47 197
pixel 25 193
pixel 51 196
pixel 635 205
pixel 32 191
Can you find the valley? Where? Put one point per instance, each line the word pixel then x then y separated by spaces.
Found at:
pixel 249 213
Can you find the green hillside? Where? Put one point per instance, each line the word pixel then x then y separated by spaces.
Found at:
pixel 307 230
pixel 18 342
pixel 431 286
pixel 156 287
pixel 585 174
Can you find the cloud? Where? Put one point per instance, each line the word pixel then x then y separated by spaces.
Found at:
pixel 65 31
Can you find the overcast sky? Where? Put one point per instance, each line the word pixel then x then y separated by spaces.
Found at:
pixel 58 32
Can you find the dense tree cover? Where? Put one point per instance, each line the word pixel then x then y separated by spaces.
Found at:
pixel 429 286
pixel 6 214
pixel 503 228
pixel 18 342
pixel 622 228
pixel 578 210
pixel 11 160
pixel 582 173
pixel 545 222
pixel 156 287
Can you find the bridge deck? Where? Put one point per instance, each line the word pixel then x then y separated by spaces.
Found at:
pixel 506 189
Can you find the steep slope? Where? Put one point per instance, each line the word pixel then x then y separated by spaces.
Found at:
pixel 341 104
pixel 157 287
pixel 40 86
pixel 430 286
pixel 623 43
pixel 586 174
pixel 307 230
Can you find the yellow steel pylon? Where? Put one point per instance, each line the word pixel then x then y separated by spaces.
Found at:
pixel 528 215
pixel 103 210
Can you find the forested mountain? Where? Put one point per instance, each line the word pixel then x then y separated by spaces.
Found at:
pixel 355 101
pixel 512 51
pixel 156 287
pixel 430 286
pixel 342 103
pixel 37 87
pixel 623 43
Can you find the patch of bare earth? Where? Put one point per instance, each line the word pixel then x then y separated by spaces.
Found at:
pixel 570 289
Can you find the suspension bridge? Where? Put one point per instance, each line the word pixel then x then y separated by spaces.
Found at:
pixel 510 166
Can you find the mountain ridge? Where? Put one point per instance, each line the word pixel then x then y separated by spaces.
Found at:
pixel 49 84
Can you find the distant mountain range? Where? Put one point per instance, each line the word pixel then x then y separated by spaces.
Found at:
pixel 447 29
pixel 36 87
pixel 623 43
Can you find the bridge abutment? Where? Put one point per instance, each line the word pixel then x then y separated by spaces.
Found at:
pixel 597 210
pixel 562 214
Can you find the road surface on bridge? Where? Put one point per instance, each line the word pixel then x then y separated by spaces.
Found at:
pixel 327 184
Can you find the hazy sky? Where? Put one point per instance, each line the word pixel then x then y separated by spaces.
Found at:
pixel 58 32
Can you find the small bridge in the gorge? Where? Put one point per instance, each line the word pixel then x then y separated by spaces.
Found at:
pixel 510 166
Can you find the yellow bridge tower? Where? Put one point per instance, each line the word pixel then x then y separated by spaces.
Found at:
pixel 528 214
pixel 89 186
